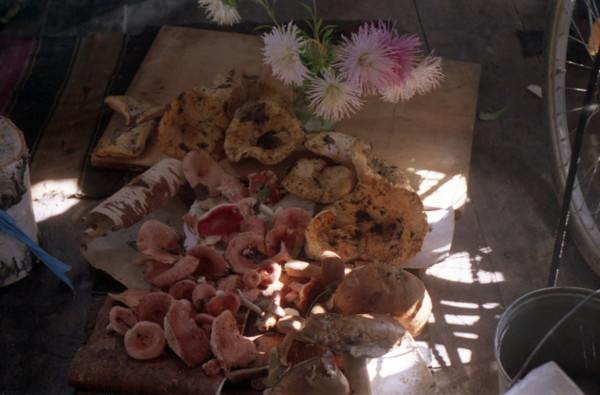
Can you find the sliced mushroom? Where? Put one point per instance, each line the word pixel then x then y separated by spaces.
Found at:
pixel 377 220
pixel 315 376
pixel 158 241
pixel 262 130
pixel 146 340
pixel 183 335
pixel 314 180
pixel 385 289
pixel 228 345
pixel 333 145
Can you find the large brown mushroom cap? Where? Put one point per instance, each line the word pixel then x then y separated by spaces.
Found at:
pixel 378 221
pixel 262 130
pixel 385 289
pixel 315 376
pixel 361 335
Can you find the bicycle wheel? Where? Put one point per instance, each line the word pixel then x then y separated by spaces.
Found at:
pixel 570 52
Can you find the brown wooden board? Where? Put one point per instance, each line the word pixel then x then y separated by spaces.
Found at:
pixel 429 135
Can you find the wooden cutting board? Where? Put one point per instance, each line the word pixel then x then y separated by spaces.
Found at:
pixel 430 135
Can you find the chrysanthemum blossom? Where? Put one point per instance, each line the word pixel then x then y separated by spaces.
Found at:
pixel 220 12
pixel 376 57
pixel 425 77
pixel 332 98
pixel 283 45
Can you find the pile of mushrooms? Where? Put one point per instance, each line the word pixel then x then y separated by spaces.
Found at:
pixel 266 293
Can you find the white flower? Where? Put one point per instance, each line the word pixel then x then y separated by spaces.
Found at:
pixel 332 98
pixel 425 77
pixel 220 12
pixel 283 45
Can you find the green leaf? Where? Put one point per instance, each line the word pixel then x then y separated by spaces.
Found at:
pixel 492 115
pixel 262 28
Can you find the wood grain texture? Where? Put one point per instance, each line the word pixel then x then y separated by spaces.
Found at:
pixel 429 135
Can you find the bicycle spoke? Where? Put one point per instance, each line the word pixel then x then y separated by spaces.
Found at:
pixel 579 41
pixel 591 10
pixel 569 88
pixel 583 66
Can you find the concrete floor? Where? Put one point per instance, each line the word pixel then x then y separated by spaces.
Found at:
pixel 503 243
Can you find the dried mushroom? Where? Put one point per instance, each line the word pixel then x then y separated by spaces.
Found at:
pixel 385 289
pixel 314 180
pixel 336 146
pixel 376 221
pixel 263 130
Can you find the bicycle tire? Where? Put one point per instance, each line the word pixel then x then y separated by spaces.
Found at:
pixel 582 226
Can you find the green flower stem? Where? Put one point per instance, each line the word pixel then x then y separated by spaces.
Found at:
pixel 270 12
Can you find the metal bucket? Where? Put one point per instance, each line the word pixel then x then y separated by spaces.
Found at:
pixel 575 346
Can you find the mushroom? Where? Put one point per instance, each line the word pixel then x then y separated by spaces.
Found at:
pixel 228 345
pixel 202 293
pixel 314 180
pixel 121 319
pixel 222 220
pixel 245 251
pixel 369 168
pixel 264 186
pixel 183 268
pixel 211 264
pixel 385 289
pixel 158 241
pixel 357 337
pixel 377 221
pixel 262 130
pixel 154 306
pixel 153 269
pixel 202 172
pixel 223 301
pixel 182 290
pixel 332 268
pixel 183 335
pixel 302 269
pixel 146 340
pixel 315 376
pixel 336 146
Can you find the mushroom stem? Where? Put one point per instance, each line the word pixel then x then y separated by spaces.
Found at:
pixel 284 347
pixel 248 304
pixel 355 370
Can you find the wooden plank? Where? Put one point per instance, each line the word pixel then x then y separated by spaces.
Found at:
pixel 406 135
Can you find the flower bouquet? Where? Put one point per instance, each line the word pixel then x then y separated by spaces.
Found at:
pixel 331 77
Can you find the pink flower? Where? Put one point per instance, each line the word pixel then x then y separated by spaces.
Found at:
pixel 425 77
pixel 377 57
pixel 332 98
